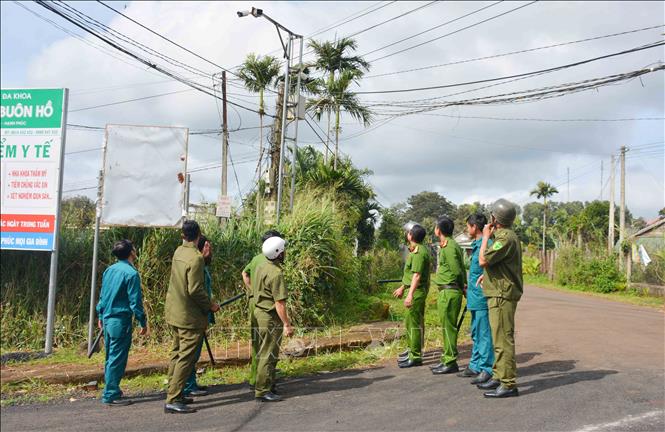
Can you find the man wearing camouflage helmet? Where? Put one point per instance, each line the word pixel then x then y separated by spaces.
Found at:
pixel 502 285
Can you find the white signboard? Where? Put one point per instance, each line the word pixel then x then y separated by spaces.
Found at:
pixel 31 151
pixel 224 207
pixel 144 176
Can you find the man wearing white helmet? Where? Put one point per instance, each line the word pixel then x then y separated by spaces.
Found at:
pixel 270 317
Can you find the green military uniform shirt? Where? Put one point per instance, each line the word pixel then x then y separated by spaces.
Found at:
pixel 268 286
pixel 418 261
pixel 187 301
pixel 251 267
pixel 503 273
pixel 451 270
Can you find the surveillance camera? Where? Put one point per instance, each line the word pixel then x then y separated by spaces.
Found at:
pixel 242 13
pixel 257 12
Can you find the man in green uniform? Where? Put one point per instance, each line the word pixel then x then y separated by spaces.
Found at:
pixel 502 285
pixel 416 279
pixel 186 311
pixel 192 388
pixel 270 316
pixel 247 273
pixel 450 278
pixel 119 300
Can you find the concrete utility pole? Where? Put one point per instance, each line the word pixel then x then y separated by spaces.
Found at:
pixel 601 179
pixel 225 139
pixel 622 205
pixel 610 227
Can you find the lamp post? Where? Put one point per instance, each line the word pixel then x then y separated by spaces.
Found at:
pixel 288 48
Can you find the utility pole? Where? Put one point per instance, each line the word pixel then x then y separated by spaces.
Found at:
pixel 610 227
pixel 225 138
pixel 568 174
pixel 601 179
pixel 622 205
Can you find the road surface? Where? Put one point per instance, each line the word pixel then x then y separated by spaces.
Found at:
pixel 585 364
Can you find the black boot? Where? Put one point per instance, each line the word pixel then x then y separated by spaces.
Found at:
pixel 502 392
pixel 467 373
pixel 483 377
pixel 489 385
pixel 447 369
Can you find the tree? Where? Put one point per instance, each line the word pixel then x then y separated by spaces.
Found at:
pixel 259 73
pixel 332 60
pixel 427 205
pixel 661 212
pixel 77 212
pixel 390 234
pixel 544 190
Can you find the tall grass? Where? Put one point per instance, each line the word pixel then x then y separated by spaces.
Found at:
pixel 326 282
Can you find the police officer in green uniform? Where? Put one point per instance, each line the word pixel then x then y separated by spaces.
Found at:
pixel 502 285
pixel 450 278
pixel 270 317
pixel 186 312
pixel 192 388
pixel 119 300
pixel 416 278
pixel 247 273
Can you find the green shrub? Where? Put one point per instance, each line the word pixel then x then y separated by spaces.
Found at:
pixel 530 265
pixel 590 273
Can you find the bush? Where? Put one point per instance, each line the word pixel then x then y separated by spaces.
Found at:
pixel 590 273
pixel 530 265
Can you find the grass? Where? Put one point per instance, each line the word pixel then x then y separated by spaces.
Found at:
pixel 40 392
pixel 629 296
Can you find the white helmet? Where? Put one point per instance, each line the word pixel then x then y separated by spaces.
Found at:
pixel 273 247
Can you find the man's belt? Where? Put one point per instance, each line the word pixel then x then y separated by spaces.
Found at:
pixel 446 286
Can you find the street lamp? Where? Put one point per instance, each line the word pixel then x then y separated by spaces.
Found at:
pixel 256 13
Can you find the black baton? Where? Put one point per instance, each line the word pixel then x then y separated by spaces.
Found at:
pixel 461 319
pixel 95 344
pixel 212 358
pixel 231 300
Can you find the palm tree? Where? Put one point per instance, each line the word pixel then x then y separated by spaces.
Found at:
pixel 259 73
pixel 332 58
pixel 335 97
pixel 544 190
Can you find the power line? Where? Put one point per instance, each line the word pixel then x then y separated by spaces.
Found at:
pixel 512 52
pixel 556 68
pixel 451 33
pixel 432 28
pixel 547 120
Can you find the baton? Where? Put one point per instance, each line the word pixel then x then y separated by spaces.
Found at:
pixel 461 319
pixel 385 281
pixel 231 300
pixel 212 358
pixel 95 344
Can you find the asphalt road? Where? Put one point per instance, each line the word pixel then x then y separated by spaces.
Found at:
pixel 585 364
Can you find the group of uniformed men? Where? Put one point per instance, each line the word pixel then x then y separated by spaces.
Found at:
pixel 493 288
pixel 189 310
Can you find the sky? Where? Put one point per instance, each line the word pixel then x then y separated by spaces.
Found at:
pixel 468 153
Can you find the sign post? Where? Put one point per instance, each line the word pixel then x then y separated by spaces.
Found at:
pixel 32 147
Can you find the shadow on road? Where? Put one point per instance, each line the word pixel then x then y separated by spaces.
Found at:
pixel 547 367
pixel 337 381
pixel 562 379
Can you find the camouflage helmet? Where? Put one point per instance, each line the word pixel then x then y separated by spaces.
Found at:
pixel 503 211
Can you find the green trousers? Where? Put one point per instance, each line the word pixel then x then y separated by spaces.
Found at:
pixel 184 354
pixel 254 344
pixel 502 323
pixel 414 322
pixel 269 332
pixel 449 304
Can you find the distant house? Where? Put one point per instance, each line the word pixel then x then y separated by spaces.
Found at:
pixel 651 237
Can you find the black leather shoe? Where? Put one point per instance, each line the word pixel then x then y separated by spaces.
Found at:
pixel 410 363
pixel 446 369
pixel 436 366
pixel 483 377
pixel 489 384
pixel 468 373
pixel 269 397
pixel 502 392
pixel 178 408
pixel 119 402
pixel 197 393
pixel 273 389
pixel 185 400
